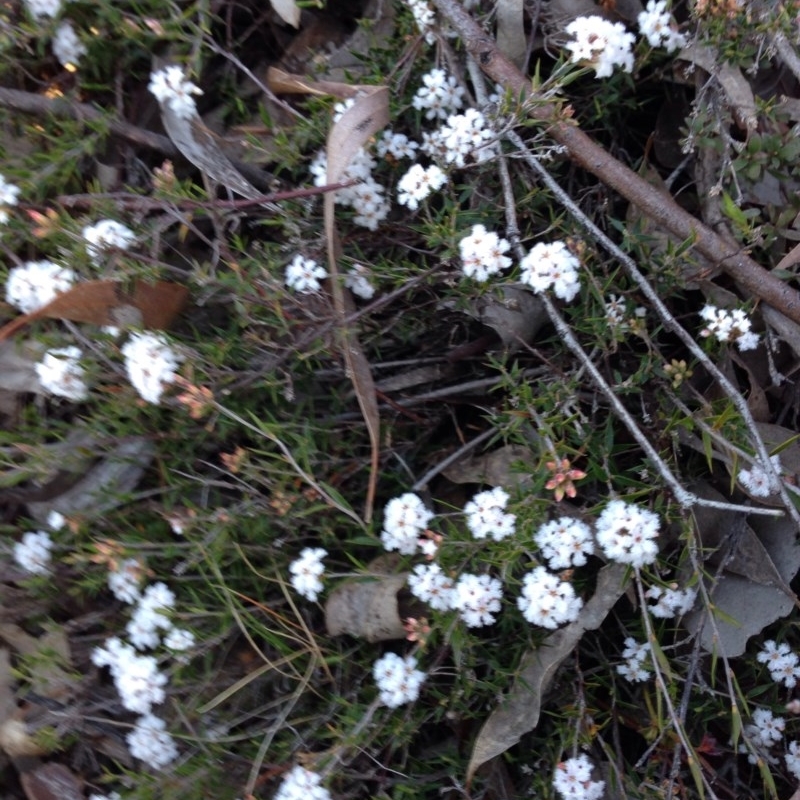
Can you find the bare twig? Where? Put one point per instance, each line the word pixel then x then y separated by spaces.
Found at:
pixel 655 204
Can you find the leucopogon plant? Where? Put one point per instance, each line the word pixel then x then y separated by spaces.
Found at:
pixel 563 633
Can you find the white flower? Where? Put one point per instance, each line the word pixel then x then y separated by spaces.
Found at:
pixel 304 275
pixel 179 639
pixel 627 533
pixel 635 654
pixel 33 552
pixel 56 521
pixel 357 281
pixel 573 780
pixel 396 145
pixel 418 183
pixel 151 364
pixel 9 195
pixel 564 543
pixel 655 23
pixel 302 784
pixel 482 253
pixel 105 235
pixel 477 598
pixel 43 8
pixel 61 374
pixel 307 571
pixel 729 326
pixel 548 601
pixel 67 47
pixel 405 518
pixel 765 731
pixel 142 629
pixel 551 266
pixel 670 602
pixel 793 759
pixel 36 283
pixel 486 515
pixel 169 85
pixel 439 95
pixel 150 742
pixel 758 481
pixel 425 18
pixel 429 583
pixel 605 45
pixel 125 579
pixel 398 679
pixel 783 664
pixel 368 202
pixel 465 137
pixel 136 677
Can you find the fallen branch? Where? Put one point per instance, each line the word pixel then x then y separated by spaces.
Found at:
pixel 655 204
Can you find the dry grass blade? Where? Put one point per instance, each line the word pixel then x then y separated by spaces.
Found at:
pixel 359 123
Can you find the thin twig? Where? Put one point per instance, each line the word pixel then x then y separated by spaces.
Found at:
pixel 669 322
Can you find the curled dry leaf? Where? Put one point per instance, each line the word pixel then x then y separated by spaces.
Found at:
pixel 366 609
pixel 288 11
pixel 51 781
pixel 154 306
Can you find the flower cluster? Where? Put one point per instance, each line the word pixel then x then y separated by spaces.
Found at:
pixel 366 196
pixel 150 742
pixel 304 275
pixel 306 572
pixel 477 599
pixel 729 326
pixel 358 282
pixel 627 533
pixel 551 266
pixel 43 8
pixel 482 253
pixel 418 183
pixel 793 759
pixel 398 679
pixel 603 44
pixel 564 543
pixel 149 616
pixel 61 373
pixel 302 784
pixel 36 283
pixel 655 23
pixel 9 196
pixel 108 234
pixel 548 601
pixel 170 87
pixel 783 664
pixel 151 364
pixel 124 579
pixel 670 602
pixel 67 47
pixel 425 18
pixel 758 481
pixel 486 515
pixel 429 583
pixel 137 678
pixel 635 654
pixel 33 552
pixel 763 732
pixel 405 518
pixel 439 96
pixel 396 145
pixel 466 137
pixel 573 780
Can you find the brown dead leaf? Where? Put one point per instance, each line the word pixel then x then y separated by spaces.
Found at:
pixel 282 82
pixel 495 468
pixel 349 134
pixel 366 609
pixel 51 781
pixel 288 11
pixel 103 302
pixel 519 710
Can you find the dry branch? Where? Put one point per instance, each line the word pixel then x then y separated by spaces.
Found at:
pixel 652 202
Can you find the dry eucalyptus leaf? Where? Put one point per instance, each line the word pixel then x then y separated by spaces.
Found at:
pixel 103 485
pixel 495 468
pixel 762 550
pixel 51 781
pixel 519 710
pixel 366 608
pixel 288 11
pixel 734 84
